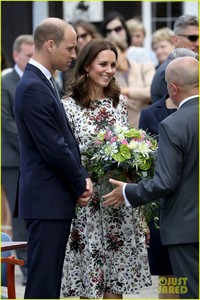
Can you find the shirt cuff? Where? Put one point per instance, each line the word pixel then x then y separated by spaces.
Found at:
pixel 124 195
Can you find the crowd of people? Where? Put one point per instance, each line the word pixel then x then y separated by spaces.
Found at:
pixel 85 238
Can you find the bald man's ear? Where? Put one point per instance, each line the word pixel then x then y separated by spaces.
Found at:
pixel 174 89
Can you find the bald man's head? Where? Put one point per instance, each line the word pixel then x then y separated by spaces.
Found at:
pixel 183 71
pixel 182 77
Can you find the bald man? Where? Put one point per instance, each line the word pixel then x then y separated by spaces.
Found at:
pixel 175 179
pixel 52 178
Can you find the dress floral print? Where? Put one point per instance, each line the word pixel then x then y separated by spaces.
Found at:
pixel 106 248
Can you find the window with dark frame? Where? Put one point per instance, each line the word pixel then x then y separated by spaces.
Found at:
pixel 165 13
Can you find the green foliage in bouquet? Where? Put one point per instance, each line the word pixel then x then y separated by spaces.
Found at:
pixel 125 149
pixel 129 154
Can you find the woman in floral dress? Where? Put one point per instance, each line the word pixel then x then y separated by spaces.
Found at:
pixel 106 254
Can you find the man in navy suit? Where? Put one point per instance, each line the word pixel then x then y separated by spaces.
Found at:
pixel 176 176
pixel 52 178
pixel 23 48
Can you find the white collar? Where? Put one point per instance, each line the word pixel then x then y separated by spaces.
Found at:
pixel 44 70
pixel 18 70
pixel 186 100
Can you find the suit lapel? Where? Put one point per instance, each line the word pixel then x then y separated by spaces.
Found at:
pixel 15 76
pixel 58 101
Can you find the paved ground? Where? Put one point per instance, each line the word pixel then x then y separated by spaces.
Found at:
pixel 150 292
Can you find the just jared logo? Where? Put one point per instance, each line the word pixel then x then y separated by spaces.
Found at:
pixel 172 285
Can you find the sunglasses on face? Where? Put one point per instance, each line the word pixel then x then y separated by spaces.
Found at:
pixel 82 36
pixel 191 38
pixel 116 29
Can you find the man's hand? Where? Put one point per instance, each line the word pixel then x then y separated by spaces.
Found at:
pixel 115 197
pixel 85 197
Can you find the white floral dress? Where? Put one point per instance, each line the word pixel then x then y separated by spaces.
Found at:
pixel 106 248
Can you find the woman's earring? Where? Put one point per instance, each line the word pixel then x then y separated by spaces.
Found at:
pixel 87 75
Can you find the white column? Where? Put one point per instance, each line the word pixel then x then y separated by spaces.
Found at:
pixel 190 8
pixel 146 20
pixel 40 11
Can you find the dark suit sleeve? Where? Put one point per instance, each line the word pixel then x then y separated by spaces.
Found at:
pixel 8 121
pixel 148 121
pixel 168 171
pixel 159 86
pixel 143 121
pixel 41 115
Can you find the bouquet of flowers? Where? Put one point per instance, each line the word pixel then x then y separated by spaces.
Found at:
pixel 123 150
pixel 126 153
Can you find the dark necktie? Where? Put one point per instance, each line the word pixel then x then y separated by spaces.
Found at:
pixel 53 83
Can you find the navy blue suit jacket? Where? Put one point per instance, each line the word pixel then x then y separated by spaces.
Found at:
pixel 159 85
pixel 152 115
pixel 51 174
